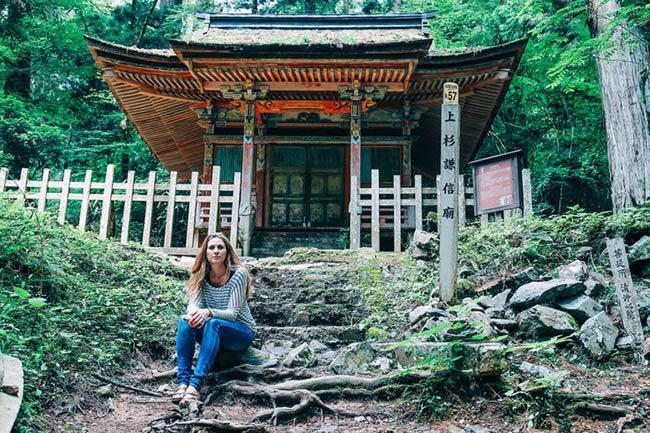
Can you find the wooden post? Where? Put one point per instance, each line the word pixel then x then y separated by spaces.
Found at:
pixel 22 182
pixel 484 220
pixel 498 217
pixel 448 190
pixel 85 201
pixel 128 201
pixel 355 139
pixel 397 214
pixel 462 206
pixel 42 196
pixel 528 195
pixel 3 178
pixel 234 222
pixel 191 210
pixel 248 173
pixel 418 202
pixel 148 212
pixel 107 201
pixel 374 223
pixel 625 292
pixel 65 193
pixel 171 202
pixel 214 200
pixel 355 214
pixel 507 214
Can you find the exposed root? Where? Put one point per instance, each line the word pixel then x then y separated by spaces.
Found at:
pixel 221 424
pixel 328 382
pixel 266 374
pixel 387 391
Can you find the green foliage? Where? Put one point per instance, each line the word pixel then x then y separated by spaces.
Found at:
pixel 70 304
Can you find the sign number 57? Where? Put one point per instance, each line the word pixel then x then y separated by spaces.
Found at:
pixel 450 93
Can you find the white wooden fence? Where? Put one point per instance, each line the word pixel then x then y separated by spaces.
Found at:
pixel 379 208
pixel 209 205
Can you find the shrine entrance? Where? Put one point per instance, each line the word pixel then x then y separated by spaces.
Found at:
pixel 306 186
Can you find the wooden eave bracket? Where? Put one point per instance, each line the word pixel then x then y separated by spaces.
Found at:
pixel 190 67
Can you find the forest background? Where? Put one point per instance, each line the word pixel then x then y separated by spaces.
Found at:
pixel 57 113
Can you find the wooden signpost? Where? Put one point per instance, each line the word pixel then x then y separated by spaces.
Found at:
pixel 448 190
pixel 625 290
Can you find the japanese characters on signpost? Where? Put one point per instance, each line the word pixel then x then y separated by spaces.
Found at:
pixel 625 290
pixel 448 202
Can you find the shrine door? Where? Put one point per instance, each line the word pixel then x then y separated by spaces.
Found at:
pixel 306 186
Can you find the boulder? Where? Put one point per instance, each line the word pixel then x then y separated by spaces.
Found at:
pixel 584 253
pixel 625 343
pixel 425 245
pixel 598 335
pixel 522 277
pixel 354 359
pixel 278 348
pixel 500 300
pixel 581 307
pixel 440 354
pixel 506 324
pixel 541 372
pixel 252 356
pixel 576 270
pixel 593 288
pixel 317 346
pixel 301 356
pixel 539 292
pixel 542 322
pixel 470 325
pixel 483 359
pixel 643 298
pixel 495 313
pixel 426 311
pixel 639 255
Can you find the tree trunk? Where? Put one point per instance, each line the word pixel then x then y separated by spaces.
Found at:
pixel 624 75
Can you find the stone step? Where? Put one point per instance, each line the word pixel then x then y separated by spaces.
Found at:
pixel 308 295
pixel 288 314
pixel 330 335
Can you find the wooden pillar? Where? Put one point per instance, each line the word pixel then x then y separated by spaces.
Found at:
pixel 355 139
pixel 208 160
pixel 248 173
pixel 260 165
pixel 407 171
pixel 449 160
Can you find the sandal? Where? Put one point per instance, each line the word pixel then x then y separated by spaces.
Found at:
pixel 179 394
pixel 191 395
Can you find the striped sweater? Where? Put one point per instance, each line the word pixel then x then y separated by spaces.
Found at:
pixel 227 302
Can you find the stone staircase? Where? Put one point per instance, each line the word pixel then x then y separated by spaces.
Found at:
pixel 304 302
pixel 273 243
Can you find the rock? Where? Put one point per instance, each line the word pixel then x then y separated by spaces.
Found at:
pixel 495 313
pixel 426 311
pixel 541 322
pixel 576 270
pixel 382 364
pixel 485 302
pixel 301 318
pixel 593 288
pixel 441 354
pixel 483 359
pixel 581 307
pixel 252 356
pixel 625 343
pixel 354 359
pixel 504 324
pixel 165 389
pixel 639 252
pixel 476 429
pixel 425 245
pixel 584 253
pixel 327 428
pixel 104 390
pixel 301 356
pixel 541 372
pixel 15 389
pixel 525 276
pixel 470 325
pixel 454 429
pixel 317 346
pixel 643 298
pixel 359 419
pixel 598 335
pixel 500 300
pixel 539 292
pixel 277 347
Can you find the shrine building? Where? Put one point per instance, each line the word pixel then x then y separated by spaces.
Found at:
pixel 300 103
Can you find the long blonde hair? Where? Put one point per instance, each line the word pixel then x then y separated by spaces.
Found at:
pixel 201 267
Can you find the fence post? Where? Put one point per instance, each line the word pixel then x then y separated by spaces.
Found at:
pixel 65 192
pixel 171 202
pixel 234 222
pixel 214 199
pixel 374 224
pixel 22 182
pixel 42 197
pixel 355 214
pixel 3 178
pixel 528 195
pixel 148 213
pixel 106 201
pixel 85 201
pixel 397 214
pixel 128 201
pixel 191 210
pixel 484 220
pixel 418 202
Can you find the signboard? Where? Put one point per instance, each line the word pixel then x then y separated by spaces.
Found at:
pixel 497 183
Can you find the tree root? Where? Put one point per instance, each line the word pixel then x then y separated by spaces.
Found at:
pixel 369 383
pixel 122 385
pixel 267 374
pixel 383 391
pixel 220 424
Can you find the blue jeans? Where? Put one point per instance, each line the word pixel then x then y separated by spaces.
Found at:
pixel 213 335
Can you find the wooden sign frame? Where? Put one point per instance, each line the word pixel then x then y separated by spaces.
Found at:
pixel 515 157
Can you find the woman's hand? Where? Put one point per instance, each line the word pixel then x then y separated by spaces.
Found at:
pixel 197 318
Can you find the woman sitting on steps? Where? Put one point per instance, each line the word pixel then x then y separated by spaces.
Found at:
pixel 218 316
